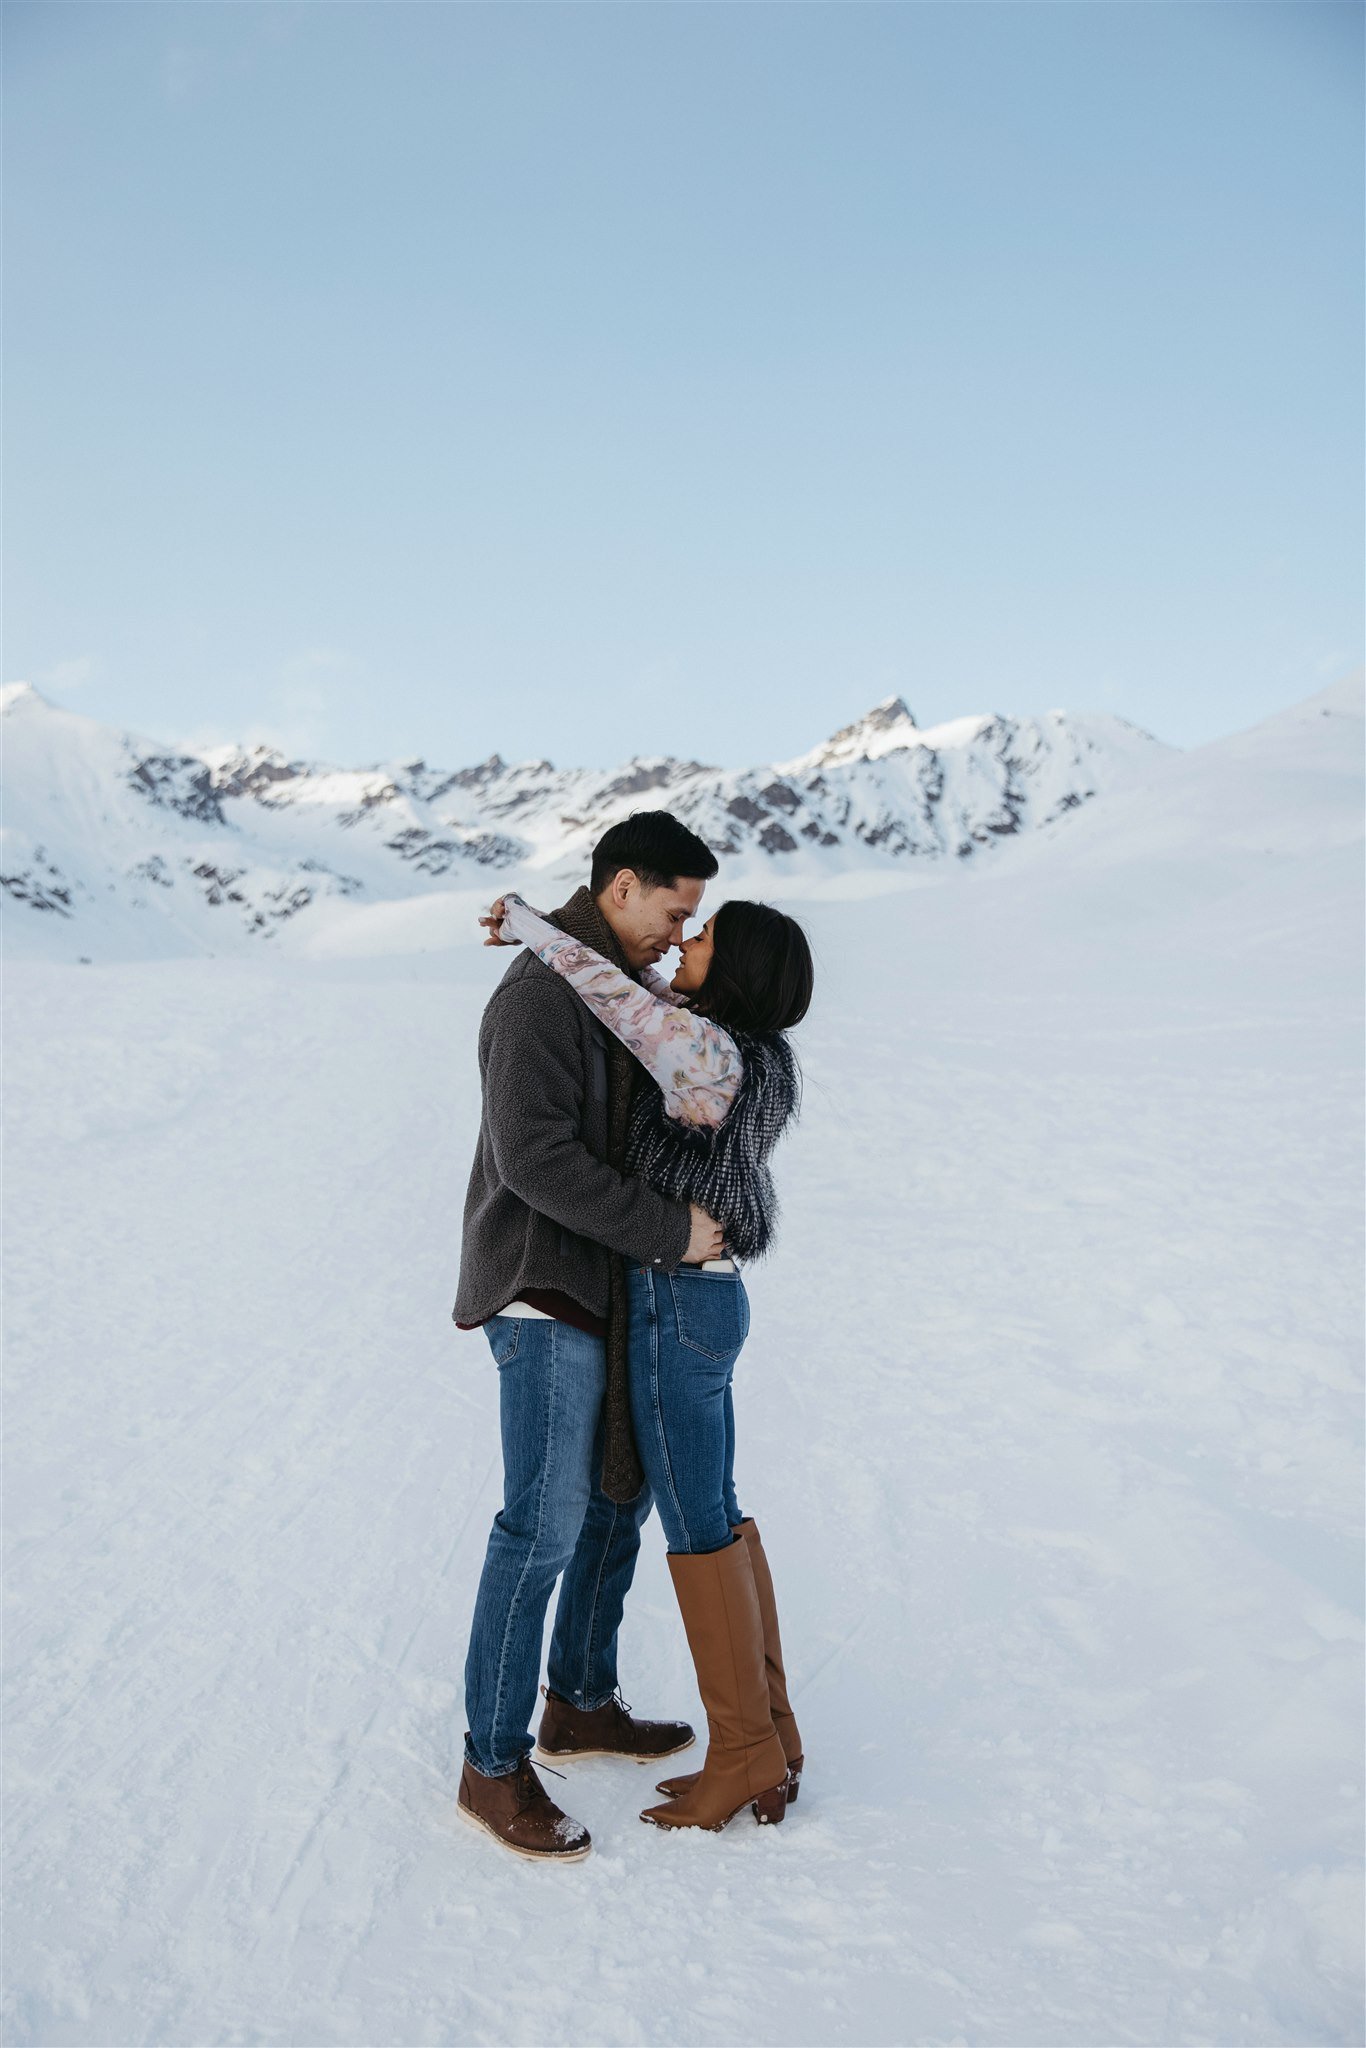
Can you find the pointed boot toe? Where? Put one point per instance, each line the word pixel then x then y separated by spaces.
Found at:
pixel 745 1763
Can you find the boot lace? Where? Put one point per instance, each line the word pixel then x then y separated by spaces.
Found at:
pixel 529 1786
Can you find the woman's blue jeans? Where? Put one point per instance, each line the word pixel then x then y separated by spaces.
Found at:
pixel 555 1518
pixel 687 1329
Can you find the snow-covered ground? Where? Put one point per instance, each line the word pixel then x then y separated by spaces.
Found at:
pixel 1050 1416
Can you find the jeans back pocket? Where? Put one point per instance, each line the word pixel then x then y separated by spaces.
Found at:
pixel 712 1311
pixel 504 1334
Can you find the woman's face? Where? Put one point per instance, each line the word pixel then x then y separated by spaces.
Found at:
pixel 696 951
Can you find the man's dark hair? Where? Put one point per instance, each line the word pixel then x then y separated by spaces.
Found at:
pixel 656 846
pixel 760 977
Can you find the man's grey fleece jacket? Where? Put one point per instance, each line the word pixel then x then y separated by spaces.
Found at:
pixel 543 1206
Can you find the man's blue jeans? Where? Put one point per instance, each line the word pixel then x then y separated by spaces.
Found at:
pixel 554 1518
pixel 687 1329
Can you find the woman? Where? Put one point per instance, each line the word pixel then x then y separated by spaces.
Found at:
pixel 714 1041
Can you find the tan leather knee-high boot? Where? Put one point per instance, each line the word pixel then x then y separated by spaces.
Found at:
pixel 784 1720
pixel 745 1764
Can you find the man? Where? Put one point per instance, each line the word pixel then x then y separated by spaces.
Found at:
pixel 550 1218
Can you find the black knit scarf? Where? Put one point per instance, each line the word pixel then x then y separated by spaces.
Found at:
pixel 622 1473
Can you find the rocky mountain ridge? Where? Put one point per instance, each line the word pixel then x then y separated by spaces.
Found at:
pixel 144 847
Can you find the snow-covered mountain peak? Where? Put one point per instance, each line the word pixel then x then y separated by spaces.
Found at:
pixel 18 697
pixel 249 771
pixel 888 727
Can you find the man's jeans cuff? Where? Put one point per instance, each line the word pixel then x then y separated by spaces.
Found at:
pixel 506 1772
pixel 582 1701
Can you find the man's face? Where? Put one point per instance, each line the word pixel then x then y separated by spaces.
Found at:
pixel 648 922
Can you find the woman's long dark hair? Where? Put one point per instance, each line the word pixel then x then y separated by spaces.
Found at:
pixel 761 976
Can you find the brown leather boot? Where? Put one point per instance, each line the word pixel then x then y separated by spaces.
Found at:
pixel 609 1730
pixel 518 1812
pixel 784 1720
pixel 745 1764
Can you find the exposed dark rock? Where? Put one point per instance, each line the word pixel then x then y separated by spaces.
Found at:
pixel 153 869
pixel 514 802
pixel 345 885
pixel 180 783
pixel 746 810
pixel 218 881
pixel 639 777
pixel 431 856
pixel 776 838
pixel 38 894
pixel 474 778
pixel 782 796
pixel 882 718
pixel 887 832
pixel 371 799
pixel 491 850
pixel 254 774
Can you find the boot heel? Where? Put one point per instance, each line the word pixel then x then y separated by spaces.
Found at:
pixel 794 1780
pixel 770 1806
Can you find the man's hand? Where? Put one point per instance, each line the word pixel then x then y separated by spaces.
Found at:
pixel 706 1239
pixel 497 911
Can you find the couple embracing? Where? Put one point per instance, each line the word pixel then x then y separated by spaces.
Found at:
pixel 620 1183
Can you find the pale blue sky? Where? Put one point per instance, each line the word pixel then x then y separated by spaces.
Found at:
pixel 585 380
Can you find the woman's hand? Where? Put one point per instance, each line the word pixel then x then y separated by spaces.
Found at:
pixel 496 913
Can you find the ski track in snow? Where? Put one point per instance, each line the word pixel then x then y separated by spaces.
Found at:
pixel 1049 1414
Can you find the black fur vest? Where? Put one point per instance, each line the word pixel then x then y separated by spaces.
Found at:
pixel 725 1170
